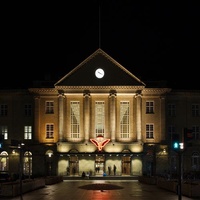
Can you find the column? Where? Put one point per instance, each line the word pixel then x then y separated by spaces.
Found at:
pixel 112 116
pixel 86 116
pixel 162 117
pixel 138 116
pixel 37 118
pixel 61 116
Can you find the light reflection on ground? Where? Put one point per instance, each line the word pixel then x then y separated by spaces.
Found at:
pixel 100 186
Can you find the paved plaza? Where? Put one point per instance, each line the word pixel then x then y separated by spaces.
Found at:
pixel 99 190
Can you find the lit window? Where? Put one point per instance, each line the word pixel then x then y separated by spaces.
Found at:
pixel 124 119
pixel 27 169
pixel 4 132
pixel 149 131
pixel 49 130
pixel 99 118
pixel 4 161
pixel 75 119
pixel 27 132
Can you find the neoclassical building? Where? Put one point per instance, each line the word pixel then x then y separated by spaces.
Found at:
pixel 97 116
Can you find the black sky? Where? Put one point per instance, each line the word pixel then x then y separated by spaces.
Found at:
pixel 155 40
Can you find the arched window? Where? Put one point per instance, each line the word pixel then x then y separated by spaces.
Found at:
pixel 4 161
pixel 27 165
pixel 195 161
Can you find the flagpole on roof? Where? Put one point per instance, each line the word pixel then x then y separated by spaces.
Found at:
pixel 99 25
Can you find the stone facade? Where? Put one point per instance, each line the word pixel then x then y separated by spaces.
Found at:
pixel 53 149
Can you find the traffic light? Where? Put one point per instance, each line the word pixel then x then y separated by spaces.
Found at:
pixel 175 145
pixel 175 140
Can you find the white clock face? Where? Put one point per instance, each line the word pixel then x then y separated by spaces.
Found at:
pixel 99 73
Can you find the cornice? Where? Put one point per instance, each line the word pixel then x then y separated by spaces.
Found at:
pixel 44 90
pixel 99 87
pixel 152 91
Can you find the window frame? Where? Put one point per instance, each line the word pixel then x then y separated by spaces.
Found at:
pixel 99 118
pixel 75 124
pixel 150 107
pixel 28 131
pixel 49 107
pixel 125 124
pixel 150 131
pixel 49 130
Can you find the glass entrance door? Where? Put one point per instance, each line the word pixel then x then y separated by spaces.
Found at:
pixel 73 165
pixel 99 165
pixel 126 165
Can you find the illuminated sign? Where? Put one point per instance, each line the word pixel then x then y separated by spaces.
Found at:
pixel 100 142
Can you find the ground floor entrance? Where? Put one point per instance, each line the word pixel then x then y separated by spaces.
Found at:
pixel 102 164
pixel 99 165
pixel 126 165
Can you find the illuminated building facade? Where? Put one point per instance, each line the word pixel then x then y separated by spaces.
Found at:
pixel 97 116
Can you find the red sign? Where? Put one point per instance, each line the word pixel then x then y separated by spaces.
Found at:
pixel 100 142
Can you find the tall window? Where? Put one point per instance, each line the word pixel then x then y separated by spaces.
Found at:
pixel 49 107
pixel 124 119
pixel 75 119
pixel 195 161
pixel 99 118
pixel 28 110
pixel 171 132
pixel 149 107
pixel 3 110
pixel 195 110
pixel 171 110
pixel 27 132
pixel 149 131
pixel 4 161
pixel 196 132
pixel 4 132
pixel 49 130
pixel 27 163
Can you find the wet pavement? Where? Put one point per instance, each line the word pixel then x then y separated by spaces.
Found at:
pixel 99 190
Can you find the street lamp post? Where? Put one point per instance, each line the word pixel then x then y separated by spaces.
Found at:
pixel 179 175
pixel 180 169
pixel 15 144
pixel 21 168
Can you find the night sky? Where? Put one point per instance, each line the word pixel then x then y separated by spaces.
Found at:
pixel 154 40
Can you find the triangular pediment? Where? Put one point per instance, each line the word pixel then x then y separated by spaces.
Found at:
pixel 114 73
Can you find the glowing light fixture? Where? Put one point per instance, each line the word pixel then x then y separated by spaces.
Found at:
pixel 100 142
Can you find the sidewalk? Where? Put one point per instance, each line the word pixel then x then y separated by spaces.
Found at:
pixel 99 190
pixel 98 177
